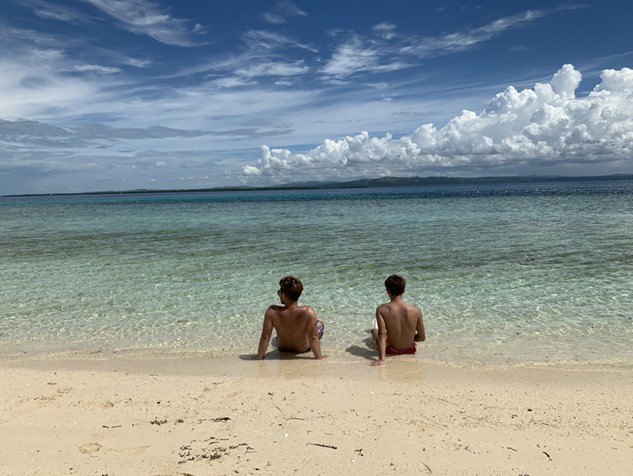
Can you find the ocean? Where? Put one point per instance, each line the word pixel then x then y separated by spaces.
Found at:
pixel 512 273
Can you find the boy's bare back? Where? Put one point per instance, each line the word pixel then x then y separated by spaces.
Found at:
pixel 296 326
pixel 399 323
pixel 292 325
pixel 402 322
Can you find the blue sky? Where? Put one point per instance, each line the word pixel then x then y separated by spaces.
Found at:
pixel 129 94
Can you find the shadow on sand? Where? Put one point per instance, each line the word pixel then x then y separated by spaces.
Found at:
pixel 368 352
pixel 278 355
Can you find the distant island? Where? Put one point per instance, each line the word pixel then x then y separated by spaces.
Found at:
pixel 361 183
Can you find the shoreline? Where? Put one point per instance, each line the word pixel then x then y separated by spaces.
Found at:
pixel 352 355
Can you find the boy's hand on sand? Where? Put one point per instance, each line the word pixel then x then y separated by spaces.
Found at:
pixel 377 363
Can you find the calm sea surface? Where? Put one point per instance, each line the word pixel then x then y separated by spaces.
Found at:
pixel 509 273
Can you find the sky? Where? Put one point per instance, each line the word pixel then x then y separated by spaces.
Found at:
pixel 102 95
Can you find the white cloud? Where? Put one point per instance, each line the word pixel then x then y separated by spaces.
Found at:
pixel 265 54
pixel 146 18
pixel 262 40
pixel 250 170
pixel 290 9
pixel 136 62
pixel 273 18
pixel 386 50
pixel 464 40
pixel 283 10
pixel 229 82
pixel 95 68
pixel 33 86
pixel 385 30
pixel 545 124
pixel 273 69
pixel 351 57
pixel 52 11
pixel 55 52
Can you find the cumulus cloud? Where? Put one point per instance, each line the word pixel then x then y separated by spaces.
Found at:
pixel 546 124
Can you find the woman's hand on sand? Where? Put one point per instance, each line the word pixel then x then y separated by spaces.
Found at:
pixel 377 363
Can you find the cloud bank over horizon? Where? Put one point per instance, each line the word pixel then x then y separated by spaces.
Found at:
pixel 546 125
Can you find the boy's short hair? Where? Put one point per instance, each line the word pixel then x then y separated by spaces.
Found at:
pixel 395 284
pixel 291 287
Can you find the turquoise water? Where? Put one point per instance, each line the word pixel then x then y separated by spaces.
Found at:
pixel 503 273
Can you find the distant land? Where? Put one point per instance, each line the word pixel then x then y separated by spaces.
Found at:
pixel 361 183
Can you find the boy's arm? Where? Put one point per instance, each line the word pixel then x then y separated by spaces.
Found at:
pixel 382 339
pixel 420 336
pixel 267 332
pixel 313 335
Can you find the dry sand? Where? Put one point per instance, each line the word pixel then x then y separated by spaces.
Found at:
pixel 231 416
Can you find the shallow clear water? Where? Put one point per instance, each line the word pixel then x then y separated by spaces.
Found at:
pixel 503 273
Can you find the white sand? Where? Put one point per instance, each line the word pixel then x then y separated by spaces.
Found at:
pixel 211 416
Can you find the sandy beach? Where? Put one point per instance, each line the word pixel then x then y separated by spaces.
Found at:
pixel 225 416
